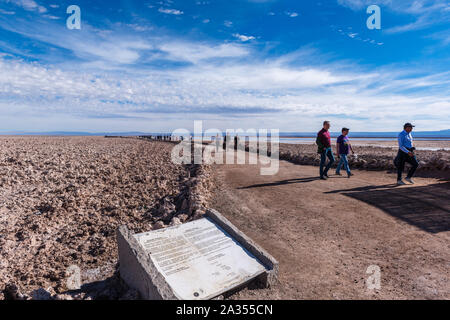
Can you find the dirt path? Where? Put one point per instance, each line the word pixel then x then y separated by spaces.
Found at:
pixel 325 234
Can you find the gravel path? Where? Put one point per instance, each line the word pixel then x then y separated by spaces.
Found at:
pixel 326 234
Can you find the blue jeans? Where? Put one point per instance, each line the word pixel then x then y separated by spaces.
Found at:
pixel 323 157
pixel 343 161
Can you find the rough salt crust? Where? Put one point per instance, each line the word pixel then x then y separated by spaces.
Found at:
pixel 63 197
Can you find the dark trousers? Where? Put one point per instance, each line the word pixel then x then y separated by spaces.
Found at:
pixel 323 157
pixel 402 158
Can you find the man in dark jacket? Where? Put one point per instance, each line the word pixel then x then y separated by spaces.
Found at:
pixel 323 142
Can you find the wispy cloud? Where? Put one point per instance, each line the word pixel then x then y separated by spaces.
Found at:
pixel 195 52
pixel 292 14
pixel 425 12
pixel 243 38
pixel 116 71
pixel 29 5
pixel 89 44
pixel 442 36
pixel 7 12
pixel 259 86
pixel 171 11
pixel 358 37
pixel 49 16
pixel 360 4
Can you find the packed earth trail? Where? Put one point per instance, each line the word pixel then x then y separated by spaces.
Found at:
pixel 326 234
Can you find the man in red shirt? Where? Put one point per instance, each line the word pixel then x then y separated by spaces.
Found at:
pixel 323 142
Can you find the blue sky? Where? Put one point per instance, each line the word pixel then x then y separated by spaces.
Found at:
pixel 160 65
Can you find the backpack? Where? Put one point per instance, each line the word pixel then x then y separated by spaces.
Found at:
pixel 320 146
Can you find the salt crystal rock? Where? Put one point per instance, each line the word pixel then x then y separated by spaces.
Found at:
pixel 158 225
pixel 12 292
pixel 175 221
pixel 76 213
pixel 41 294
pixel 197 215
pixel 79 296
pixel 63 297
pixel 183 217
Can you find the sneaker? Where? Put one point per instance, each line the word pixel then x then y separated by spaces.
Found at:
pixel 409 180
pixel 349 175
pixel 324 178
pixel 400 183
pixel 326 175
pixel 338 174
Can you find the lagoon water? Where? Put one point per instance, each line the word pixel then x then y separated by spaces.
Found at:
pixel 422 143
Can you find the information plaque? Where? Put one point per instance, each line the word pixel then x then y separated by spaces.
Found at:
pixel 198 259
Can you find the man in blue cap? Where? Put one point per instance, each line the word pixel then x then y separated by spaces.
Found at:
pixel 406 154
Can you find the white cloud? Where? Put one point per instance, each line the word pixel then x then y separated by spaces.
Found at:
pixel 360 4
pixel 243 38
pixel 139 28
pixel 29 5
pixel 426 12
pixel 170 11
pixel 102 48
pixel 204 88
pixel 356 36
pixel 228 76
pixel 195 52
pixel 443 36
pixel 292 14
pixel 228 23
pixel 49 16
pixel 7 12
pixel 420 23
pixel 89 44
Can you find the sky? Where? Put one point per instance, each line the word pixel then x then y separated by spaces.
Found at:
pixel 277 64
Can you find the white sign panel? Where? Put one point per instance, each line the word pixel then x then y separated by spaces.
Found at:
pixel 198 259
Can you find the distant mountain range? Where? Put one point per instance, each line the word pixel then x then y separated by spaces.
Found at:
pixel 76 133
pixel 418 134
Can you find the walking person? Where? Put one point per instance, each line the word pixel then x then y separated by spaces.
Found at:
pixel 323 142
pixel 343 147
pixel 406 154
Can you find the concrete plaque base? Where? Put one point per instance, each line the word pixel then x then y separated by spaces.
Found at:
pixel 201 259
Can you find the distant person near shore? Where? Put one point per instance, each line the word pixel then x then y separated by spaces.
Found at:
pixel 343 147
pixel 406 154
pixel 323 142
